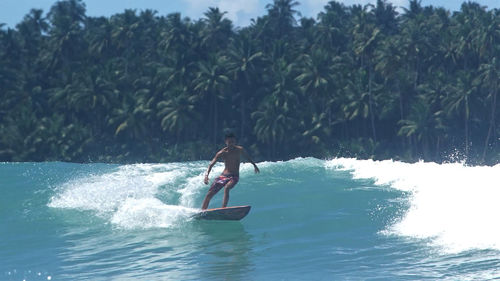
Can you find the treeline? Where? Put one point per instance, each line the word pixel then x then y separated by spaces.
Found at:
pixel 358 81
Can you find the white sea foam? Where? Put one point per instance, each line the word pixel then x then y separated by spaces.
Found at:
pixel 454 206
pixel 148 213
pixel 128 197
pixel 194 184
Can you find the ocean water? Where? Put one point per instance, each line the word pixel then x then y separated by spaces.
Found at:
pixel 311 219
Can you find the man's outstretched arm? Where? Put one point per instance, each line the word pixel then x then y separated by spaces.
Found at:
pixel 244 152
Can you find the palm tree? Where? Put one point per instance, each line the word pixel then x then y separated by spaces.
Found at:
pixel 11 78
pixel 389 59
pixel 96 98
pixel 217 30
pixel 177 36
pixel 385 17
pixel 467 28
pixel 415 9
pixel 244 62
pixel 180 53
pixel 281 18
pixel 66 44
pixel 331 31
pixel 356 102
pixel 489 70
pixel 99 36
pixel 129 120
pixel 211 83
pixel 71 84
pixel 149 34
pixel 366 36
pixel 177 114
pixel 284 92
pixel 271 127
pixel 424 124
pixel 414 43
pixel 489 77
pixel 316 80
pixel 126 40
pixel 31 30
pixel 457 100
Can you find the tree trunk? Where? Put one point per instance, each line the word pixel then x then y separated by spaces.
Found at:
pixel 243 115
pixel 491 130
pixel 401 111
pixel 437 148
pixel 466 105
pixel 372 117
pixel 216 128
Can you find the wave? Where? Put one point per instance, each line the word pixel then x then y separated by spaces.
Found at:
pixel 450 206
pixel 130 196
pixel 455 207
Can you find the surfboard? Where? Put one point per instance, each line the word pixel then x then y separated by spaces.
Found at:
pixel 235 213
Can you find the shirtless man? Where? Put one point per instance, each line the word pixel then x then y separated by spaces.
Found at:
pixel 230 176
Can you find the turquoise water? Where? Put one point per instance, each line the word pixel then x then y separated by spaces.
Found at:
pixel 311 219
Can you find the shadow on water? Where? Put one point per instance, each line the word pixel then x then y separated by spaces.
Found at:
pixel 192 250
pixel 225 249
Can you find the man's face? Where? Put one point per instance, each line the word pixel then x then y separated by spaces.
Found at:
pixel 230 142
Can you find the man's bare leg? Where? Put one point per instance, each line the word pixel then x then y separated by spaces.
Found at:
pixel 207 200
pixel 227 188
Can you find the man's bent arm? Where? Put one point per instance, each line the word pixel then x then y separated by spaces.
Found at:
pixel 210 167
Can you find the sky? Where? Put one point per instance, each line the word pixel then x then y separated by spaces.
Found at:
pixel 240 12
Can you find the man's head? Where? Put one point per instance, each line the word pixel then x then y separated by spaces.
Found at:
pixel 230 139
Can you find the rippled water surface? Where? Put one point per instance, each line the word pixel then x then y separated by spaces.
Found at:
pixel 311 219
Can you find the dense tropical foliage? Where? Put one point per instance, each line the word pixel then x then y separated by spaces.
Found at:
pixel 358 81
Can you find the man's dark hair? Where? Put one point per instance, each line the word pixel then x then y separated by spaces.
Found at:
pixel 230 135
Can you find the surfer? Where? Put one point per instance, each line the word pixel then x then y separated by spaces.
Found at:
pixel 230 176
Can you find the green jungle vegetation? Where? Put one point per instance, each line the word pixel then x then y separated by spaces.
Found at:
pixel 357 81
